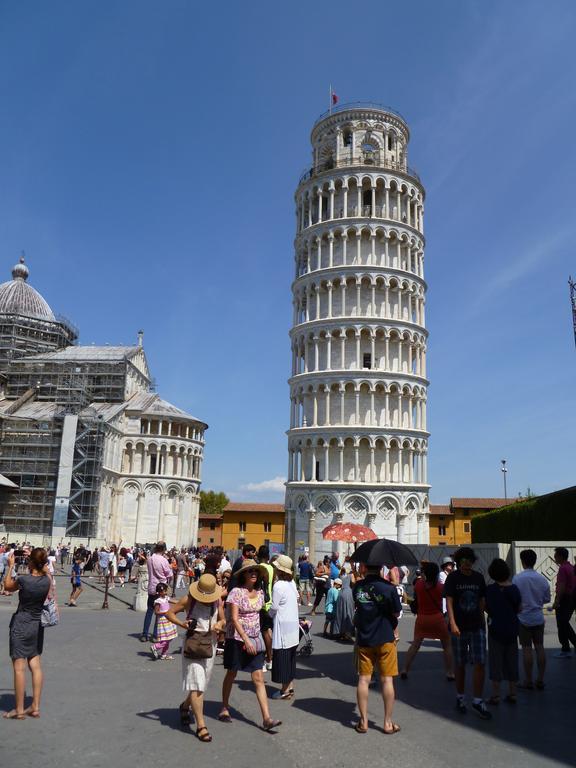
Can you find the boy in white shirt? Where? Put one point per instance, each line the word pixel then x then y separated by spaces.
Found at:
pixel 535 592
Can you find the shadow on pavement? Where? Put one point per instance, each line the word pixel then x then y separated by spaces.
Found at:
pixel 167 717
pixel 541 722
pixel 332 709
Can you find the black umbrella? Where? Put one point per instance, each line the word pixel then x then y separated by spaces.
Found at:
pixel 384 552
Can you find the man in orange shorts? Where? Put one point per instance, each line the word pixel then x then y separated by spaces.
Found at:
pixel 377 610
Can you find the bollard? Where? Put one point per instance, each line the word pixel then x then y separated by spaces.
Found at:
pixel 141 598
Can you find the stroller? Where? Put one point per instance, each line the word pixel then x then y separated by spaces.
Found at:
pixel 306 646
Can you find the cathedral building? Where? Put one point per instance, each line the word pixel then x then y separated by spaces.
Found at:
pixel 358 440
pixel 97 455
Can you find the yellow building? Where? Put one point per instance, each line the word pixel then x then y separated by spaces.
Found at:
pixel 248 523
pixel 209 531
pixel 450 524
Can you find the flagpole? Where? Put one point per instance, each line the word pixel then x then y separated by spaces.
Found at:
pixel 330 99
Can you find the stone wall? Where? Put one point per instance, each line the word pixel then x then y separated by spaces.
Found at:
pixel 510 552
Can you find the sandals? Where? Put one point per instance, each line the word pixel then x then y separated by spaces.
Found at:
pixel 185 718
pixel 35 713
pixel 395 729
pixel 285 695
pixel 269 725
pixel 224 717
pixel 14 715
pixel 202 734
pixel 359 728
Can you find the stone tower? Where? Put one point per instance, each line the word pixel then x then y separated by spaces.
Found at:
pixel 357 441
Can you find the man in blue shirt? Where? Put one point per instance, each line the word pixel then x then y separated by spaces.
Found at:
pixel 377 610
pixel 305 578
pixel 334 566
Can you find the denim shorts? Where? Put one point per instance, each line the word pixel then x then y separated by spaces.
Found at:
pixel 469 647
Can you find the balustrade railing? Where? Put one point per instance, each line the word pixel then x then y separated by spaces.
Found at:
pixel 362 212
pixel 363 158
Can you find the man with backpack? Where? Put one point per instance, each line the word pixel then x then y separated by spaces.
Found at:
pixel 377 610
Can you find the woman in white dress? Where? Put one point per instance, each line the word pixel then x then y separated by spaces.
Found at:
pixel 204 613
pixel 286 630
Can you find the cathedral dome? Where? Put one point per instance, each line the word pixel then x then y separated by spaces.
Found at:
pixel 19 298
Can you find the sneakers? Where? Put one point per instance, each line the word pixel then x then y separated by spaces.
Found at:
pixel 155 652
pixel 482 711
pixel 268 666
pixel 461 706
pixel 562 655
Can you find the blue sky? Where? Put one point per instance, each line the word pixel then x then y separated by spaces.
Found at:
pixel 149 153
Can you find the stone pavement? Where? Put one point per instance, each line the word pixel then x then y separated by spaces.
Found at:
pixel 107 702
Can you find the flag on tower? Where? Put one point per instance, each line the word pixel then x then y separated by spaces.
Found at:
pixel 333 99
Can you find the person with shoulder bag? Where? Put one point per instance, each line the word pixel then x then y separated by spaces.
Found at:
pixel 204 620
pixel 27 630
pixel 244 649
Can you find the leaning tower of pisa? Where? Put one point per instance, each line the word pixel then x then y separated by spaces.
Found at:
pixel 357 440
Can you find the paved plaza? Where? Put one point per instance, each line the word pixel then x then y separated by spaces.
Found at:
pixel 106 702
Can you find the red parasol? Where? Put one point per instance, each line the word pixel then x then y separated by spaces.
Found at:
pixel 350 532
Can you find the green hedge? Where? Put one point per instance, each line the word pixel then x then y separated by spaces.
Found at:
pixel 543 518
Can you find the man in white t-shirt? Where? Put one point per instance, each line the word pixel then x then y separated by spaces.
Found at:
pixel 535 592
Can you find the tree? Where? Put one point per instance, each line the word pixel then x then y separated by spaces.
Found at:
pixel 527 494
pixel 212 503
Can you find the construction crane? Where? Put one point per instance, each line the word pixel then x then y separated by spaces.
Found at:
pixel 572 285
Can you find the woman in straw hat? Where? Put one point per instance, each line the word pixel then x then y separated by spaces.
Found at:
pixel 286 630
pixel 204 613
pixel 244 646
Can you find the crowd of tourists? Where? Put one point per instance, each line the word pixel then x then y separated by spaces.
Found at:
pixel 251 611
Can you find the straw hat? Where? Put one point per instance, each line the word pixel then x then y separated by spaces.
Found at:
pixel 283 563
pixel 205 590
pixel 249 565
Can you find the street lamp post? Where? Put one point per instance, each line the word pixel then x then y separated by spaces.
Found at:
pixel 504 472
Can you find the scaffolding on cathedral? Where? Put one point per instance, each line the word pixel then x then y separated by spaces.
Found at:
pixel 50 389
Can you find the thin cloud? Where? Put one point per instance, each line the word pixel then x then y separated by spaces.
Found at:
pixel 276 484
pixel 529 260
